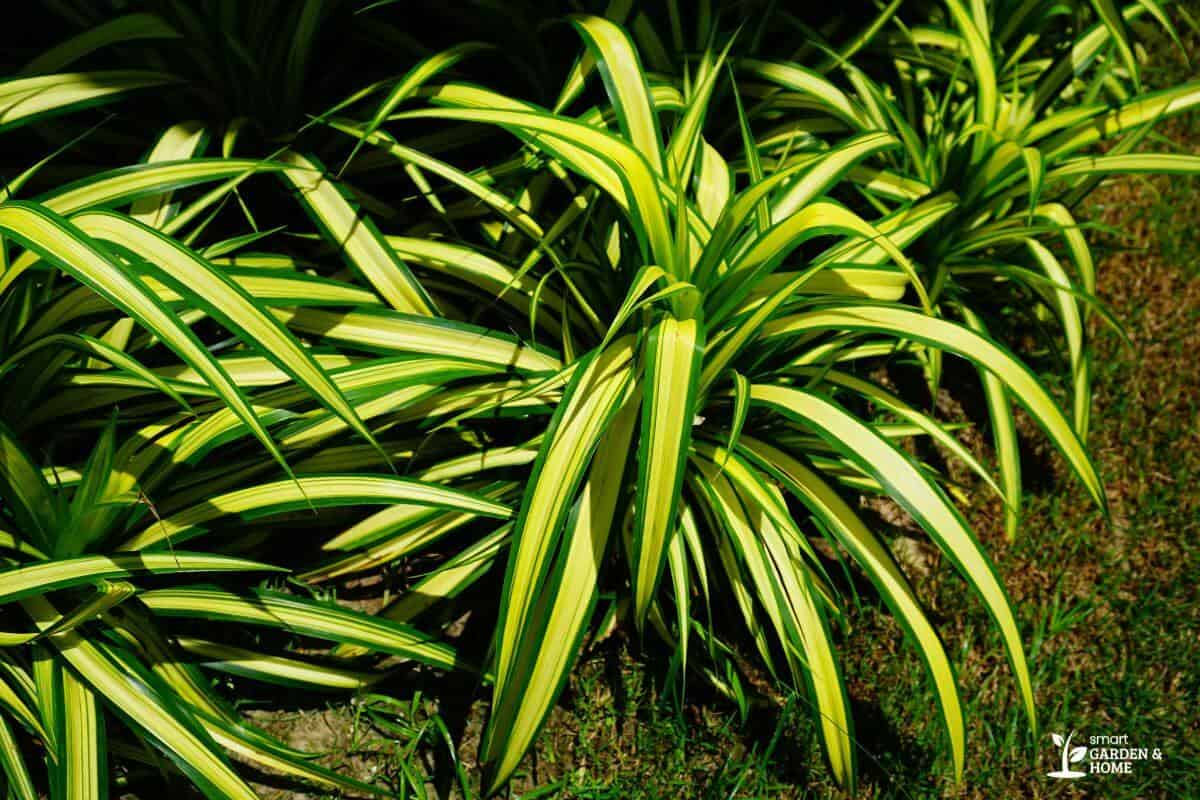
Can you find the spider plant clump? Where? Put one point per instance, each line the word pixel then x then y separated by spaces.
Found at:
pixel 612 351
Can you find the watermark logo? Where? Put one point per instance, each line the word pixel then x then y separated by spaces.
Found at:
pixel 1105 754
pixel 1070 755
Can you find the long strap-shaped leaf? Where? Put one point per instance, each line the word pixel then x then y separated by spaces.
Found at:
pixel 785 587
pixel 316 491
pixel 83 762
pixel 594 395
pixel 227 302
pixel 20 782
pixel 356 236
pixel 673 352
pixel 390 331
pixel 837 516
pixel 550 642
pixel 913 490
pixel 977 349
pixel 69 249
pixel 636 185
pixel 624 78
pixel 38 579
pixel 179 142
pixel 23 100
pixel 303 617
pixel 141 706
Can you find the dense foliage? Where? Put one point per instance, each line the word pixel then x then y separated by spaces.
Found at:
pixel 583 321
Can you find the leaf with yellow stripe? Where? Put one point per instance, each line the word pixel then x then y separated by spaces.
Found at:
pixel 24 100
pixel 47 576
pixel 69 249
pixel 979 350
pixel 144 709
pixel 355 236
pixel 864 546
pixel 596 392
pixel 83 760
pixel 309 491
pixel 673 356
pixel 909 487
pixel 550 640
pixel 306 618
pixel 215 293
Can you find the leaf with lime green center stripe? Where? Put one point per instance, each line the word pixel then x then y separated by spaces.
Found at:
pixel 306 618
pixel 370 379
pixel 12 763
pixel 1004 434
pixel 211 290
pixel 864 546
pixel 145 710
pixel 83 761
pixel 827 169
pixel 485 273
pixel 785 587
pixel 639 187
pixel 707 495
pixel 277 669
pixel 424 71
pixel 181 141
pixel 846 280
pixel 673 352
pixel 902 228
pixel 596 392
pixel 617 61
pixel 922 422
pixel 909 487
pixel 733 215
pixel 390 331
pixel 23 100
pixel 1163 163
pixel 16 698
pixel 726 348
pixel 451 577
pixel 979 58
pixel 143 180
pixel 304 491
pixel 355 236
pixel 47 576
pixel 1071 319
pixel 1083 52
pixel 68 248
pixel 686 140
pixel 979 350
pixel 550 643
pixel 273 290
pixel 443 583
pixel 826 95
pixel 1111 17
pixel 765 252
pixel 498 202
pixel 1146 108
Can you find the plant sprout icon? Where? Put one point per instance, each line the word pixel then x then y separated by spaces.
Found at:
pixel 1070 755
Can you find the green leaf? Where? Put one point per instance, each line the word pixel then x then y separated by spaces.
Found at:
pixel 38 579
pixel 303 617
pixel 908 486
pixel 673 355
